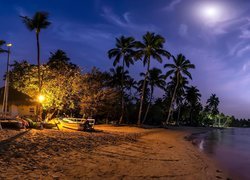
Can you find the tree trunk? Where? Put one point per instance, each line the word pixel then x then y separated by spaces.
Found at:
pixel 178 118
pixel 172 99
pixel 50 115
pixel 149 104
pixel 39 109
pixel 142 95
pixel 122 91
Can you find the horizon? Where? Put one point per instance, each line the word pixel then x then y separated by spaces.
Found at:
pixel 213 40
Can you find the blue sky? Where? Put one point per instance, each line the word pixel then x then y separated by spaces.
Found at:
pixel 214 35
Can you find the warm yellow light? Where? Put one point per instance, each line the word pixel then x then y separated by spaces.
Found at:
pixel 41 98
pixel 9 45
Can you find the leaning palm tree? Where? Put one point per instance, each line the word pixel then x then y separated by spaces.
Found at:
pixel 179 69
pixel 37 22
pixel 124 50
pixel 150 47
pixel 179 92
pixel 155 79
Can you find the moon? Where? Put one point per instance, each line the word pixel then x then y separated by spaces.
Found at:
pixel 211 13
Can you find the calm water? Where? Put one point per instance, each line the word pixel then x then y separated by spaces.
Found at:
pixel 231 148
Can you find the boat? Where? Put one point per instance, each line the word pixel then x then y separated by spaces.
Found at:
pixel 79 124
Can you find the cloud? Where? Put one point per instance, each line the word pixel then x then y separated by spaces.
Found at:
pixel 21 11
pixel 183 30
pixel 243 51
pixel 125 21
pixel 172 5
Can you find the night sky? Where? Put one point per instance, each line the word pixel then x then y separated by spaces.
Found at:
pixel 214 35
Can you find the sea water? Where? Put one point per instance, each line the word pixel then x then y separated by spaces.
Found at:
pixel 231 148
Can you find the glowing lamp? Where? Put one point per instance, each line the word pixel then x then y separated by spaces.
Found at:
pixel 9 45
pixel 41 98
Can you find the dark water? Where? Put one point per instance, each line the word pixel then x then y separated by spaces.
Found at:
pixel 231 149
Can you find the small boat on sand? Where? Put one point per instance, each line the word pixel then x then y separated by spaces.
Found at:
pixel 79 124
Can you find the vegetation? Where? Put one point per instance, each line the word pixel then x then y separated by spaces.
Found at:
pixel 37 22
pixel 114 95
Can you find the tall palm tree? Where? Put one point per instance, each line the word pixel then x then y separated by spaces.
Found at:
pixel 124 50
pixel 37 22
pixel 192 97
pixel 179 69
pixel 150 47
pixel 212 104
pixel 155 79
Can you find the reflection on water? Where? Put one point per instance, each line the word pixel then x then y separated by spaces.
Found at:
pixel 231 147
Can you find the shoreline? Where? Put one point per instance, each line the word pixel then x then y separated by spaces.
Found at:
pixel 114 153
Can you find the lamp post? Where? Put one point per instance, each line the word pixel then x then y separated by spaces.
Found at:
pixel 6 87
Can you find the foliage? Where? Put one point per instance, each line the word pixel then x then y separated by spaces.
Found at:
pixel 98 99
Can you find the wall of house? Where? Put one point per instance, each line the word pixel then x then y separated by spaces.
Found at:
pixel 26 110
pixel 15 110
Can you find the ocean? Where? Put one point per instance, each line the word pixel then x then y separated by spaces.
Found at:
pixel 231 149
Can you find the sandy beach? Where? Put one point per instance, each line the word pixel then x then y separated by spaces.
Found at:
pixel 110 153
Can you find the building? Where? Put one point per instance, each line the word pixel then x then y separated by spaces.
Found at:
pixel 19 104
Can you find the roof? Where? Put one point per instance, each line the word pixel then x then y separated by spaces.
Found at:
pixel 16 97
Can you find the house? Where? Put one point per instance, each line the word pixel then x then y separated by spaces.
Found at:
pixel 19 104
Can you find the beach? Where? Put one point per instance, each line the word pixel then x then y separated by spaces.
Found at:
pixel 110 153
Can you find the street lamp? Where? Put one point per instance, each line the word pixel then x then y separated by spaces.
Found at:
pixel 41 98
pixel 6 87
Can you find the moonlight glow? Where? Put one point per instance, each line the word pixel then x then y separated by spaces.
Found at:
pixel 211 13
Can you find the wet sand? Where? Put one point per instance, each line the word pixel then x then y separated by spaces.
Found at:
pixel 113 153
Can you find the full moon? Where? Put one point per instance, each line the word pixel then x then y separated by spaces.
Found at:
pixel 211 12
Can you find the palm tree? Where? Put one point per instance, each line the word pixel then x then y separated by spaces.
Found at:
pixel 150 47
pixel 192 97
pixel 179 92
pixel 179 69
pixel 212 104
pixel 124 50
pixel 37 22
pixel 155 79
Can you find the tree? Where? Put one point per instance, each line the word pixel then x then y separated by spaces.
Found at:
pixel 37 22
pixel 212 104
pixel 60 61
pixel 150 47
pixel 155 79
pixel 61 89
pixel 98 99
pixel 179 69
pixel 124 50
pixel 192 98
pixel 181 88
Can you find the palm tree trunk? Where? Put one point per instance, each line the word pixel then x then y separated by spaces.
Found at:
pixel 143 93
pixel 122 115
pixel 190 115
pixel 39 117
pixel 38 61
pixel 149 104
pixel 172 99
pixel 179 113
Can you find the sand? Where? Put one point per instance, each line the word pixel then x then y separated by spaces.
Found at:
pixel 110 153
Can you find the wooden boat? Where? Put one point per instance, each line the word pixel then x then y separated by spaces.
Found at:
pixel 77 123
